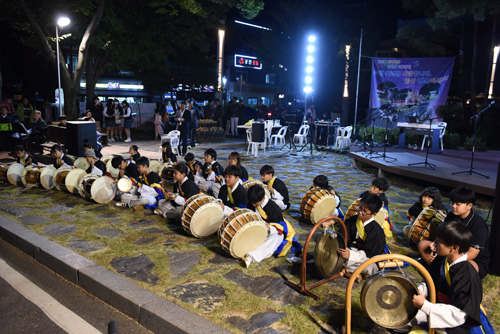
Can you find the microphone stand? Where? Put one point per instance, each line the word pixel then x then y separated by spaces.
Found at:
pixel 471 170
pixel 291 126
pixel 426 162
pixel 386 141
pixel 372 153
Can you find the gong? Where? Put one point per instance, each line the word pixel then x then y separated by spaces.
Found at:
pixel 326 258
pixel 386 298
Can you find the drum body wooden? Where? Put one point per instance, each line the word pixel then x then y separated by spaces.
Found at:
pixel 386 298
pixel 15 173
pixel 73 179
pixel 103 190
pixel 352 210
pixel 31 176
pixel 82 163
pixel 85 185
pixel 426 224
pixel 241 232
pixel 249 183
pixel 202 215
pixel 317 204
pixel 47 177
pixel 59 178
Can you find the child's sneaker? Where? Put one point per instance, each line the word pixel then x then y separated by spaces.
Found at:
pixel 122 204
pixel 158 212
pixel 246 261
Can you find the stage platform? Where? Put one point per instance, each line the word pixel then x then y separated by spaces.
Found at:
pixel 450 161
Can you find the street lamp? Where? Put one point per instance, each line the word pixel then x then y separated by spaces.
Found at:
pixel 61 22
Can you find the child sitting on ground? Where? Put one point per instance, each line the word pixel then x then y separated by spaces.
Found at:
pixel 280 237
pixel 60 159
pixel 166 153
pixel 321 181
pixel 277 188
pixel 233 195
pixel 134 153
pixel 145 193
pixel 462 201
pixel 234 159
pixel 211 175
pixel 191 164
pixel 23 157
pixel 184 189
pixel 430 197
pixel 366 238
pixel 458 286
pixel 379 187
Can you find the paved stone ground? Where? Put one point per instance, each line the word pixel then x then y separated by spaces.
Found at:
pixel 197 273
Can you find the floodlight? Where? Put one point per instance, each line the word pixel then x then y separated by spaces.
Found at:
pixel 310 48
pixel 309 59
pixel 63 21
pixel 307 89
pixel 309 69
pixel 311 38
pixel 309 79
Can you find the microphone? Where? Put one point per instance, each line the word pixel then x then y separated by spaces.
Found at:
pixel 492 102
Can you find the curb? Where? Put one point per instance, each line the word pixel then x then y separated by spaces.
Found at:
pixel 151 311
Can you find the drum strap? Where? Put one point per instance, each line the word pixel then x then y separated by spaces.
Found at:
pixel 231 199
pixel 59 162
pixel 158 187
pixel 24 162
pixel 262 212
pixel 272 181
pixel 361 229
pixel 445 275
pixel 191 167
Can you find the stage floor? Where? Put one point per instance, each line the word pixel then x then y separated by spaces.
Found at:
pixel 450 161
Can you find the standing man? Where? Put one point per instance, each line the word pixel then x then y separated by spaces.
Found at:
pixel 310 115
pixel 218 113
pixel 96 109
pixel 234 113
pixel 183 122
pixel 195 115
pixel 274 110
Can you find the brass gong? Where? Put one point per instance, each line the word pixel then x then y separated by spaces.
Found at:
pixel 326 258
pixel 386 298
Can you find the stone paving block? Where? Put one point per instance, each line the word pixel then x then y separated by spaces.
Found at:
pixel 57 229
pixel 33 220
pixel 162 316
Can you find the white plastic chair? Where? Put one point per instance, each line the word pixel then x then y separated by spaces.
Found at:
pixel 280 136
pixel 301 136
pixel 173 137
pixel 268 127
pixel 442 125
pixel 347 136
pixel 254 145
pixel 339 139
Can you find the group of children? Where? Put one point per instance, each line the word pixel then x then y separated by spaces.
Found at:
pixel 457 260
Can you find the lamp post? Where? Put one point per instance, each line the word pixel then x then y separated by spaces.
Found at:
pixel 61 22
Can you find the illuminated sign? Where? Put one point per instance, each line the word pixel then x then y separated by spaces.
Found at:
pixel 247 61
pixel 114 85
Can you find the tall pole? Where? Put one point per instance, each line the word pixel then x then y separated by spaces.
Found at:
pixel 58 70
pixel 357 84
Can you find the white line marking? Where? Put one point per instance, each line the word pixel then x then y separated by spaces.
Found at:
pixel 60 315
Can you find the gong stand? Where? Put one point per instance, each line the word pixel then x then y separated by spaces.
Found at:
pixel 301 287
pixel 348 296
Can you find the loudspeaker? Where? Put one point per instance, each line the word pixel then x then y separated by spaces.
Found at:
pixel 258 132
pixel 79 133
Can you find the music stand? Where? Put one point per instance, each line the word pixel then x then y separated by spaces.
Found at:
pixel 426 162
pixel 372 153
pixel 471 170
pixel 289 141
pixel 386 141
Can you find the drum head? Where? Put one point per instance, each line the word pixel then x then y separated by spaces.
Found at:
pixel 59 178
pixel 155 166
pixel 386 298
pixel 326 258
pixel 381 216
pixel 15 173
pixel 247 238
pixel 124 184
pixel 73 178
pixel 425 225
pixel 107 157
pixel 46 178
pixel 109 168
pixel 249 183
pixel 31 176
pixel 86 184
pixel 82 163
pixel 206 220
pixel 103 189
pixel 324 207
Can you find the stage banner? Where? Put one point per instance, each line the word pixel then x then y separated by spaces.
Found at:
pixel 403 87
